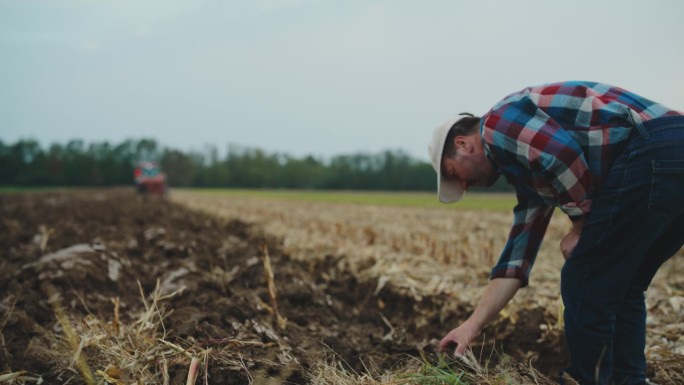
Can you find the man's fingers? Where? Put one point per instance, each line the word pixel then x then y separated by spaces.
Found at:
pixel 444 343
pixel 457 338
pixel 460 350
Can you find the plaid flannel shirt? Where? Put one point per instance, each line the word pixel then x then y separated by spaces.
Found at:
pixel 555 144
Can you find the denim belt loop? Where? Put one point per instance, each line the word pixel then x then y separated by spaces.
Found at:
pixel 642 130
pixel 636 122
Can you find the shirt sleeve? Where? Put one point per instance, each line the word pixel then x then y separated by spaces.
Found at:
pixel 539 144
pixel 530 220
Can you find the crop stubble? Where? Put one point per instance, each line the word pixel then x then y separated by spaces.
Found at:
pixel 433 252
pixel 355 287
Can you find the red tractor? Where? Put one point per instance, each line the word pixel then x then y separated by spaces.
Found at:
pixel 149 179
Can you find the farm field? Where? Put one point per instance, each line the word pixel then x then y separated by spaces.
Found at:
pixel 489 201
pixel 105 286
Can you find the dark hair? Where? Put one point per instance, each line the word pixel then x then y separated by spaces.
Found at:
pixel 464 126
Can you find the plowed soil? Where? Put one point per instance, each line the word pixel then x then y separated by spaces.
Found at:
pixel 95 246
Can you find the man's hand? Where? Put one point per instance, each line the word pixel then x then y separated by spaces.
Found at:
pixel 461 337
pixel 496 296
pixel 569 241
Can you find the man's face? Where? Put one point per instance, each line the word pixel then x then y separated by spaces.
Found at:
pixel 470 166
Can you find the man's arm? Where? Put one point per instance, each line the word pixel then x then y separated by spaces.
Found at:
pixel 498 293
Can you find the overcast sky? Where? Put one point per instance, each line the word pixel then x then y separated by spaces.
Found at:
pixel 311 77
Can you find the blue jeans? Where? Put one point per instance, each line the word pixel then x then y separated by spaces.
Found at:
pixel 636 224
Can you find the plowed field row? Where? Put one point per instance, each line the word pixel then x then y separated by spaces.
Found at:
pixel 440 251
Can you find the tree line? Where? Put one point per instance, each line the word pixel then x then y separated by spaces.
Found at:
pixel 26 163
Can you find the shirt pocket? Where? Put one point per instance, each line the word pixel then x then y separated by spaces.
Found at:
pixel 667 187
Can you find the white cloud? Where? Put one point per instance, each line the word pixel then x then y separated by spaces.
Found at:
pixel 80 23
pixel 274 5
pixel 242 71
pixel 90 46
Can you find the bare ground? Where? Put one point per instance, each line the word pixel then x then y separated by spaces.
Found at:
pixel 205 294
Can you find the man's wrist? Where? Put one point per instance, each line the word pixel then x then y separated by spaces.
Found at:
pixel 474 323
pixel 577 223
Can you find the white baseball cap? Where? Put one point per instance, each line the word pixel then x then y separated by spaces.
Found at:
pixel 449 191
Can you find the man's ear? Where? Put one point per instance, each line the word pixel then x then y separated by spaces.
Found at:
pixel 463 143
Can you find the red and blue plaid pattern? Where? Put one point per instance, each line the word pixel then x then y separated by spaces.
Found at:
pixel 555 144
